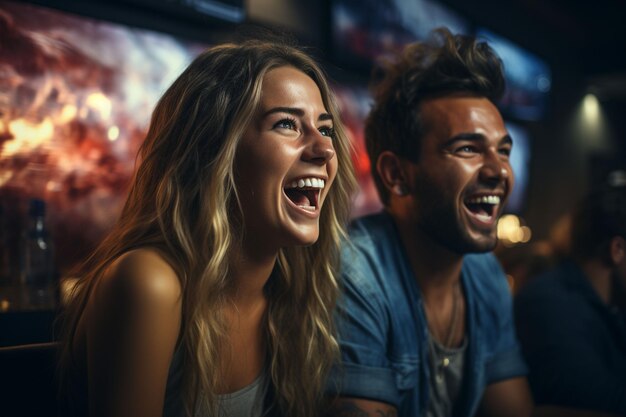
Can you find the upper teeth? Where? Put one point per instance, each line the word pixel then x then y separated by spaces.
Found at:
pixel 308 182
pixel 486 199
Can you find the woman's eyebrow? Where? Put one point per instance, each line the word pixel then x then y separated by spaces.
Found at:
pixel 324 117
pixel 290 110
pixel 296 112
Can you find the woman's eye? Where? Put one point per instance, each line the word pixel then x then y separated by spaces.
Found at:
pixel 505 151
pixel 327 131
pixel 286 124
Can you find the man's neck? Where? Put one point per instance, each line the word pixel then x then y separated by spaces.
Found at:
pixel 436 268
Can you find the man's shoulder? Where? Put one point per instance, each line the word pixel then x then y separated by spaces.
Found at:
pixel 485 279
pixel 372 226
pixel 370 258
pixel 480 260
pixel 484 270
pixel 370 235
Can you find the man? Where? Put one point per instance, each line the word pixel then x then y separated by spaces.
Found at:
pixel 571 320
pixel 425 324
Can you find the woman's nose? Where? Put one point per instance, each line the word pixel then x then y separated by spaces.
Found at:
pixel 320 150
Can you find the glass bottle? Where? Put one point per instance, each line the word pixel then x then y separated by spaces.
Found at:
pixel 6 284
pixel 38 284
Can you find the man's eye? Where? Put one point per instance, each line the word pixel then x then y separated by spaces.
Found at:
pixel 286 124
pixel 327 131
pixel 467 149
pixel 505 151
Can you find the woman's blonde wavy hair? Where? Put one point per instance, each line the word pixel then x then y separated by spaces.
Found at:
pixel 181 202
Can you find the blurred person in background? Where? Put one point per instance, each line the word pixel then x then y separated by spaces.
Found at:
pixel 425 324
pixel 571 320
pixel 213 295
pixel 523 262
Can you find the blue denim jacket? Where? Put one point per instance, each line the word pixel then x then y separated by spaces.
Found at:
pixel 383 331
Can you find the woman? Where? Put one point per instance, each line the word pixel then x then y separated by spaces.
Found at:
pixel 219 279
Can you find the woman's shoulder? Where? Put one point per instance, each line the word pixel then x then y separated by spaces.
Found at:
pixel 137 297
pixel 143 277
pixel 129 329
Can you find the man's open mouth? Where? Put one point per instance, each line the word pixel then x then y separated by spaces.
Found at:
pixel 305 192
pixel 484 208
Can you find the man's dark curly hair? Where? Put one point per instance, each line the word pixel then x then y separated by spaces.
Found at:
pixel 445 64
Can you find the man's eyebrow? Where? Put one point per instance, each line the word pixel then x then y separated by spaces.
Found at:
pixel 471 137
pixel 506 140
pixel 476 137
pixel 296 112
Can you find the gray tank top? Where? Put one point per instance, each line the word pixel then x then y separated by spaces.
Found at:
pixel 246 402
pixel 446 376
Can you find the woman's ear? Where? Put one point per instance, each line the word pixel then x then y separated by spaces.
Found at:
pixel 389 167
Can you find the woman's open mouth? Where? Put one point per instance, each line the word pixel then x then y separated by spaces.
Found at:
pixel 305 192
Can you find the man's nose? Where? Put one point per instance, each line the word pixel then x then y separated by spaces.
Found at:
pixel 495 167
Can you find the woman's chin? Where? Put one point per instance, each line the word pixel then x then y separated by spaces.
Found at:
pixel 303 237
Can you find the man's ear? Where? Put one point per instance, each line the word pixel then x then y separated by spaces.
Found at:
pixel 391 172
pixel 617 250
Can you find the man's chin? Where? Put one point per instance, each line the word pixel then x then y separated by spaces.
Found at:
pixel 476 244
pixel 485 247
pixel 485 243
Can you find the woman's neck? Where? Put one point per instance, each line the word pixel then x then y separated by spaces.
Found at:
pixel 245 313
pixel 249 272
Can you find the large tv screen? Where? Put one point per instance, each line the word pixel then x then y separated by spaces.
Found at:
pixel 364 30
pixel 76 95
pixel 228 10
pixel 355 103
pixel 520 163
pixel 528 79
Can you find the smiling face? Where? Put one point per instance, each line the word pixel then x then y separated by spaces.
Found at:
pixel 285 162
pixel 463 176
